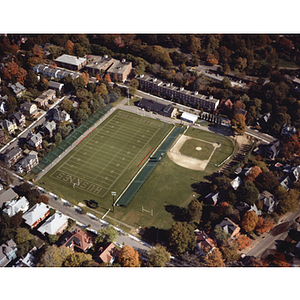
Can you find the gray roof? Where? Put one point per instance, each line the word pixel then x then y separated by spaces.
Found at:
pixel 11 152
pixel 70 59
pixel 119 67
pixel 7 195
pixel 17 88
pixel 227 226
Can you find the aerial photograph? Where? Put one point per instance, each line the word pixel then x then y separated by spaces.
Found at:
pixel 149 150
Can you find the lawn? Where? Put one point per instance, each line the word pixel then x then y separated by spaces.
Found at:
pixel 190 147
pixel 106 160
pixel 169 187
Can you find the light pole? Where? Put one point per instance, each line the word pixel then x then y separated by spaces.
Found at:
pixel 113 204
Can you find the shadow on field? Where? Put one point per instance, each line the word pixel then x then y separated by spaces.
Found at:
pixel 153 235
pixel 179 214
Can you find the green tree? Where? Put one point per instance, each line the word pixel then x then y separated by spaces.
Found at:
pixel 58 138
pixel 158 256
pixel 226 83
pixel 182 237
pixel 248 192
pixel 66 105
pixel 195 210
pixel 133 86
pixel 230 252
pixel 54 256
pixel 107 235
pixel 221 235
pixel 266 180
pixel 287 201
pixel 77 260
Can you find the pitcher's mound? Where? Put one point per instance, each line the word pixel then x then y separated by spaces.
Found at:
pixel 198 148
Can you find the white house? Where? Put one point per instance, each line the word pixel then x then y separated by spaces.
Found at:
pixel 36 214
pixel 14 206
pixel 54 225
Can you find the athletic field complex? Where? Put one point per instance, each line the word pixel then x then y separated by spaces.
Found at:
pixel 117 153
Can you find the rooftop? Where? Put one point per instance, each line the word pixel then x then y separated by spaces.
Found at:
pixel 70 59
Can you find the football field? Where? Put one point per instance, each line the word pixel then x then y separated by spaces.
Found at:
pixel 107 158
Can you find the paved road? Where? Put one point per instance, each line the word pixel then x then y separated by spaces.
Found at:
pixel 268 241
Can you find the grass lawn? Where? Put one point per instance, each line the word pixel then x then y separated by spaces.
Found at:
pixel 189 148
pixel 169 185
pixel 106 160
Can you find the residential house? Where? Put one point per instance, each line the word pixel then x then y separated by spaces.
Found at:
pixel 236 182
pixel 164 110
pixel 60 117
pixel 204 244
pixel 18 118
pixel 27 163
pixel 36 214
pixel 108 254
pixel 77 240
pixel 272 150
pixel 56 224
pixel 9 126
pixel 212 198
pixel 269 201
pixel 14 206
pixel 11 156
pixel 230 227
pixel 28 260
pixel 119 70
pixel 3 137
pixel 49 127
pixel 43 100
pixel 285 182
pixel 244 207
pixel 7 196
pixel 18 89
pixel 8 252
pixel 97 64
pixel 3 107
pixel 264 120
pixel 56 85
pixel 294 174
pixel 34 140
pixel 28 108
pixel 287 130
pixel 71 62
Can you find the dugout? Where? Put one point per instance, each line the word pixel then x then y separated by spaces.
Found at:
pixel 189 117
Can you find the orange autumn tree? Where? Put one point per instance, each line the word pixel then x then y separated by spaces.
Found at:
pixel 249 221
pixel 69 46
pixel 85 77
pixel 242 242
pixel 253 173
pixel 107 78
pixel 12 69
pixel 128 257
pixel 263 225
pixel 211 60
pixel 214 259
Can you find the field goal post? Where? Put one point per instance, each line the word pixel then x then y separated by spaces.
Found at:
pixel 148 211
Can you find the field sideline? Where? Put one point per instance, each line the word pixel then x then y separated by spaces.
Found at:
pixel 106 159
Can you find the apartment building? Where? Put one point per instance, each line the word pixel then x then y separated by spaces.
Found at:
pixel 120 70
pixel 171 91
pixel 97 64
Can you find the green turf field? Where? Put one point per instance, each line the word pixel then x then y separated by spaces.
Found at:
pixel 106 160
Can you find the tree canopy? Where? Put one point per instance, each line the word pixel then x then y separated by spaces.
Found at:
pixel 158 256
pixel 128 257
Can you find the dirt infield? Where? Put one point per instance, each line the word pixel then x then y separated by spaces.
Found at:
pixel 186 161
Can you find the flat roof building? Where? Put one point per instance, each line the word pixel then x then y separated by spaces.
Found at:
pixel 96 64
pixel 120 70
pixel 189 117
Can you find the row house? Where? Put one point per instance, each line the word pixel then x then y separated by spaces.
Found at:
pixel 173 92
pixel 27 163
pixel 71 62
pixel 97 64
pixel 56 85
pixel 54 72
pixel 11 156
pixel 43 100
pixel 120 70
